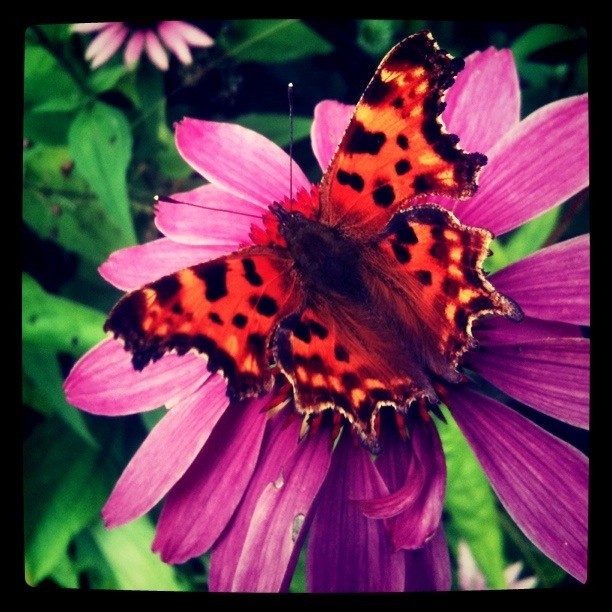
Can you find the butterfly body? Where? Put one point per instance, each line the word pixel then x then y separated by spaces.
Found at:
pixel 359 292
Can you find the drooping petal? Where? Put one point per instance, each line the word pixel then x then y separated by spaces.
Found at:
pixel 105 382
pixel 497 330
pixel 276 530
pixel 331 119
pixel 136 266
pixel 414 510
pixel 551 375
pixel 155 50
pixel 207 215
pixel 428 568
pixel 541 480
pixel 86 28
pixel 174 42
pixel 202 502
pixel 348 552
pixel 539 164
pixel 244 162
pixel 103 39
pixel 485 101
pixel 279 444
pixel 194 36
pixel 106 52
pixel 153 470
pixel 553 283
pixel 133 48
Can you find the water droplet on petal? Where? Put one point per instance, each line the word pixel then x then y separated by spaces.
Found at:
pixel 298 521
pixel 279 483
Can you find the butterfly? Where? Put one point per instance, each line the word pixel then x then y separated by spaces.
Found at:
pixel 360 293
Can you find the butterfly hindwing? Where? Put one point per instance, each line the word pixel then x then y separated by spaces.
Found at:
pixel 434 264
pixel 334 362
pixel 225 309
pixel 395 147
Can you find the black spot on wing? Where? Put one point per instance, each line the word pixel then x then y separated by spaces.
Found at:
pixel 166 288
pixel 424 277
pixel 352 179
pixel 250 273
pixel 402 167
pixel 267 306
pixel 384 196
pixel 239 320
pixel 214 276
pixel 341 353
pixel 215 318
pixel 377 91
pixel 402 142
pixel 360 140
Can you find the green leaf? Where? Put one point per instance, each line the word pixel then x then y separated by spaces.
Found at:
pixel 171 164
pixel 106 77
pixel 46 81
pixel 471 505
pixel 542 36
pixel 57 324
pixel 79 225
pixel 272 40
pixel 151 418
pixel 376 36
pixel 100 143
pixel 42 389
pixel 275 126
pixel 64 573
pixel 64 490
pixel 549 574
pixel 90 561
pixel 298 581
pixel 522 242
pixel 127 551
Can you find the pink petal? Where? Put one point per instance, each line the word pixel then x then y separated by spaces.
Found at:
pixel 200 505
pixel 279 444
pixel 240 160
pixel 103 381
pixel 106 38
pixel 538 165
pixel 428 568
pixel 192 35
pixel 155 51
pixel 136 266
pixel 497 330
pixel 86 28
pixel 549 375
pixel 276 530
pixel 166 453
pixel 331 119
pixel 216 217
pixel 414 510
pixel 110 48
pixel 553 283
pixel 133 49
pixel 541 481
pixel 174 42
pixel 485 101
pixel 348 552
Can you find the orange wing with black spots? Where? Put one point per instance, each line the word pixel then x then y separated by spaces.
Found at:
pixel 434 263
pixel 395 147
pixel 225 309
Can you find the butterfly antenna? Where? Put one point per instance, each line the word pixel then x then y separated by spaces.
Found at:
pixel 171 200
pixel 290 98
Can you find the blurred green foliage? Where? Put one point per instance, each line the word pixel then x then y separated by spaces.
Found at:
pixel 98 146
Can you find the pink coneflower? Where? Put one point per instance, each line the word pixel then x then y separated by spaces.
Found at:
pixel 470 577
pixel 176 36
pixel 232 475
